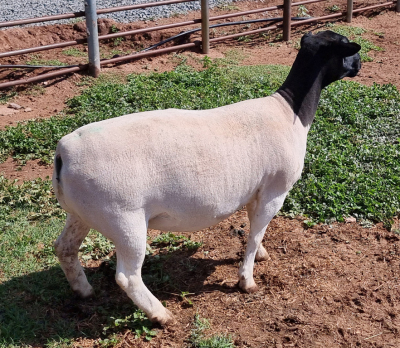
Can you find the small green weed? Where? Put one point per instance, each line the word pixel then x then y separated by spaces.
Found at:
pixel 74 52
pixel 334 8
pixel 6 96
pixel 117 41
pixel 37 60
pixel 173 242
pixel 302 11
pixel 227 7
pixel 137 322
pixel 232 58
pixel 245 38
pixel 198 339
pixel 36 196
pixel 95 246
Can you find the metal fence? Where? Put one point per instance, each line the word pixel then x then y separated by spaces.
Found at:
pixel 286 23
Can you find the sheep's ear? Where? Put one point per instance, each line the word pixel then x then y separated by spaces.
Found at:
pixel 348 49
pixel 305 37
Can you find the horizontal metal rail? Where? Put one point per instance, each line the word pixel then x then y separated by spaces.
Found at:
pixel 82 13
pixel 144 30
pixel 179 47
pixel 103 62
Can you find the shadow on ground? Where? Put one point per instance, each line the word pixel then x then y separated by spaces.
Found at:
pixel 41 307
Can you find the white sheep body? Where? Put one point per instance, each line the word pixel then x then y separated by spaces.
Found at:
pixel 186 169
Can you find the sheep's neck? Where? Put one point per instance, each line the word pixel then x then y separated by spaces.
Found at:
pixel 302 91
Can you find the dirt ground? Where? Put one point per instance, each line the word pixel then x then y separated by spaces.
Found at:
pixel 326 286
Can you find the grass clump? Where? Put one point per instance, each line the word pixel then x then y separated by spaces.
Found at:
pixel 136 322
pixel 35 196
pixel 74 52
pixel 198 338
pixel 37 60
pixel 6 96
pixel 352 163
pixel 173 242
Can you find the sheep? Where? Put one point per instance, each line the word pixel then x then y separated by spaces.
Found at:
pixel 185 170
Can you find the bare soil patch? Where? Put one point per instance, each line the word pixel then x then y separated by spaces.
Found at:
pixel 328 286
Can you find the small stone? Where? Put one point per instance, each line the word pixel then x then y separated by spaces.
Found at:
pixel 350 219
pixel 14 106
pixel 28 110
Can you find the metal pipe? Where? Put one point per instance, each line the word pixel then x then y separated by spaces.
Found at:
pixel 103 62
pixel 92 38
pixel 41 19
pixel 398 6
pixel 176 48
pixel 82 13
pixel 43 77
pixel 43 48
pixel 145 30
pixel 150 53
pixel 27 66
pixel 374 6
pixel 336 15
pixel 251 32
pixel 125 8
pixel 205 26
pixel 287 15
pixel 349 13
pixel 102 37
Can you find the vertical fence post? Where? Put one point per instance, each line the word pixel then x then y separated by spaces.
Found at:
pixel 398 6
pixel 205 26
pixel 287 16
pixel 349 13
pixel 92 37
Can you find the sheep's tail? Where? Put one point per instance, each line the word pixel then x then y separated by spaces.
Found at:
pixel 57 182
pixel 58 165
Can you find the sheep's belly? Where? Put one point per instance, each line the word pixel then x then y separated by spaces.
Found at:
pixel 187 222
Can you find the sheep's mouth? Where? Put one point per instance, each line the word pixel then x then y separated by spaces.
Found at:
pixel 353 65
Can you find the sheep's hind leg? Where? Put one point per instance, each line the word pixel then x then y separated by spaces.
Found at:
pixel 66 248
pixel 130 241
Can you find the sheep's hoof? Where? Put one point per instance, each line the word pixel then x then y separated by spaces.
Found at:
pixel 262 256
pixel 166 320
pixel 84 293
pixel 249 288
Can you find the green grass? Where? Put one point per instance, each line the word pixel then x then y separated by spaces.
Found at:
pixel 37 60
pixel 352 165
pixel 6 96
pixel 74 52
pixel 35 196
pixel 199 339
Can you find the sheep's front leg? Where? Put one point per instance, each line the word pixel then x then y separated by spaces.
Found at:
pixel 129 237
pixel 261 211
pixel 66 247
